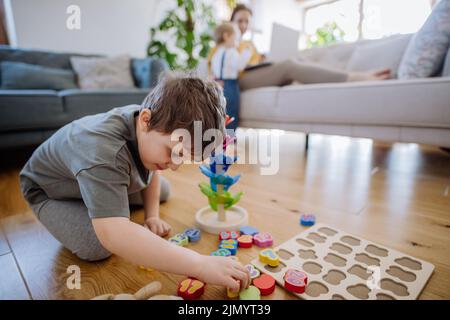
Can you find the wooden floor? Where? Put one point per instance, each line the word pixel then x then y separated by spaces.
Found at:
pixel 396 195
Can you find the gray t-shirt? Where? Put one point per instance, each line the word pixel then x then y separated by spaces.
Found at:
pixel 95 159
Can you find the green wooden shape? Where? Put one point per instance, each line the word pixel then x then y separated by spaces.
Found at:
pixel 252 293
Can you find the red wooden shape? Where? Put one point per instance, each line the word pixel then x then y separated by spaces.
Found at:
pixel 265 284
pixel 295 281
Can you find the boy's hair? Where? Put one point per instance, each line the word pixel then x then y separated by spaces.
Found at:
pixel 220 31
pixel 180 99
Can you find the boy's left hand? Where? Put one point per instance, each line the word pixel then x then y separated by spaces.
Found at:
pixel 158 226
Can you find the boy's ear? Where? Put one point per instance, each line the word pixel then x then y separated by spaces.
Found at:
pixel 144 118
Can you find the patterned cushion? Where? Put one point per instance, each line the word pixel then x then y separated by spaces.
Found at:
pixel 97 73
pixel 427 49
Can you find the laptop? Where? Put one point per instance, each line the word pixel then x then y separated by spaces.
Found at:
pixel 283 46
pixel 284 43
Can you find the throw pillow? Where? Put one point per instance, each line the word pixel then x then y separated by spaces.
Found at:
pixel 426 50
pixel 19 75
pixel 104 72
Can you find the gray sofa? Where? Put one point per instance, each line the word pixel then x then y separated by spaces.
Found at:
pixel 29 116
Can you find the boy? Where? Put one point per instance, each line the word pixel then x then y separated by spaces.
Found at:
pixel 226 64
pixel 80 182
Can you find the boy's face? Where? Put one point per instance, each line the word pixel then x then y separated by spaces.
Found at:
pixel 230 39
pixel 156 149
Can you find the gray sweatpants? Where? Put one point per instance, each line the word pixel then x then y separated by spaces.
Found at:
pixel 288 71
pixel 69 222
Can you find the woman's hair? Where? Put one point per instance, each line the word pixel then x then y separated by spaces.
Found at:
pixel 240 7
pixel 221 29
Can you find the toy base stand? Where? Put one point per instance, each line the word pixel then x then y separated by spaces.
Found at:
pixel 207 219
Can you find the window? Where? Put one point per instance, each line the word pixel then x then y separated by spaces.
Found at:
pixel 367 19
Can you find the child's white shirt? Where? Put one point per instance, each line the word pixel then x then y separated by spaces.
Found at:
pixel 233 63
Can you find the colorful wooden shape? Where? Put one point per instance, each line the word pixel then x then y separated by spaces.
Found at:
pixel 231 294
pixel 251 293
pixel 295 281
pixel 254 273
pixel 190 289
pixel 263 239
pixel 193 234
pixel 245 241
pixel 268 256
pixel 230 241
pixel 225 235
pixel 248 230
pixel 221 252
pixel 307 220
pixel 179 239
pixel 265 284
pixel 229 246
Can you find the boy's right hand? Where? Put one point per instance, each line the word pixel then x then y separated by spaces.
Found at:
pixel 223 271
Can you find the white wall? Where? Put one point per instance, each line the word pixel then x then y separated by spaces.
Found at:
pixel 108 27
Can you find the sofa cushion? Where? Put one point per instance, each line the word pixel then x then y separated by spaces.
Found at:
pixel 43 58
pixel 30 109
pixel 427 49
pixel 19 75
pixel 146 71
pixel 335 56
pixel 81 102
pixel 379 55
pixel 104 72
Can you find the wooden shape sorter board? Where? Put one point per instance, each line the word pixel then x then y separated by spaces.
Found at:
pixel 343 266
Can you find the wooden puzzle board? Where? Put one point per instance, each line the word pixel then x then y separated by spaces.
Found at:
pixel 336 263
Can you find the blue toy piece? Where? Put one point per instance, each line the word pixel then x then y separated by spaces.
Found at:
pixel 307 220
pixel 193 234
pixel 229 244
pixel 221 252
pixel 248 230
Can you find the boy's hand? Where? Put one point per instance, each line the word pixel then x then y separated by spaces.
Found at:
pixel 223 271
pixel 158 226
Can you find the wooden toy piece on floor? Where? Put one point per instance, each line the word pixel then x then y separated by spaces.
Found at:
pixel 221 252
pixel 268 256
pixel 230 245
pixel 146 269
pixel 307 220
pixel 245 241
pixel 145 293
pixel 190 289
pixel 251 293
pixel 295 281
pixel 248 230
pixel 225 235
pixel 231 294
pixel 193 234
pixel 179 239
pixel 263 239
pixel 254 273
pixel 265 284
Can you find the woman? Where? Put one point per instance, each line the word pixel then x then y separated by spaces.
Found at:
pixel 286 72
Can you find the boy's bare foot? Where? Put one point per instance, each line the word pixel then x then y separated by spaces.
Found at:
pixel 365 76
